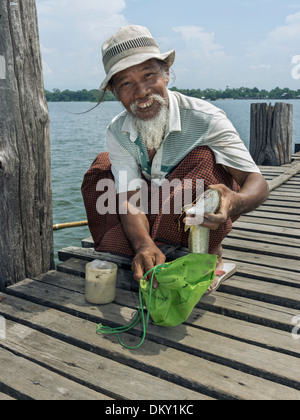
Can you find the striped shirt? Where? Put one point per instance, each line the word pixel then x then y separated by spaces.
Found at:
pixel 192 122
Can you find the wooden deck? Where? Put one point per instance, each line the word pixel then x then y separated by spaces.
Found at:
pixel 237 344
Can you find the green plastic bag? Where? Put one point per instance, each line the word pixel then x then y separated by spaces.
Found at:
pixel 181 284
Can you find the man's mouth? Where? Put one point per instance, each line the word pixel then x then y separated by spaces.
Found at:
pixel 145 105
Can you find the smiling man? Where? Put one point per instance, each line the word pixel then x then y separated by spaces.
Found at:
pixel 163 136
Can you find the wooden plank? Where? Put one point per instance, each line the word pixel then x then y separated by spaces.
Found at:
pixel 268 274
pixel 93 371
pixel 264 292
pixel 262 236
pixel 261 247
pixel 292 267
pixel 281 210
pixel 288 217
pixel 261 313
pixel 5 397
pixel 263 220
pixel 250 224
pixel 89 254
pixel 248 261
pixel 275 169
pixel 293 192
pixel 195 372
pixel 27 380
pixel 281 294
pixel 287 175
pixel 279 203
pixel 230 327
pixel 75 267
pixel 285 196
pixel 50 294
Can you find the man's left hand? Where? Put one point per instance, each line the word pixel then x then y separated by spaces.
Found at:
pixel 230 203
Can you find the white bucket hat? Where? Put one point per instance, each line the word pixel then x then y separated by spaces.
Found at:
pixel 130 46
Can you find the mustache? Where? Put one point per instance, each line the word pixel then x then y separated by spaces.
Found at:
pixel 158 98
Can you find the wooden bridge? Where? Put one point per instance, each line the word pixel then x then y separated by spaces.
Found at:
pixel 241 342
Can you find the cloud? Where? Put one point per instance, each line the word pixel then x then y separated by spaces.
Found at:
pixel 71 33
pixel 290 32
pixel 47 51
pixel 93 18
pixel 79 7
pixel 283 39
pixel 200 58
pixel 273 54
pixel 261 66
pixel 200 42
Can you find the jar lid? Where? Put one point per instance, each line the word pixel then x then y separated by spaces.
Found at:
pixel 101 265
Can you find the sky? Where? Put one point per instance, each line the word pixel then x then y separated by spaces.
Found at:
pixel 218 43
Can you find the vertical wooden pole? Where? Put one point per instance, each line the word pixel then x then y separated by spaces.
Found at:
pixel 26 236
pixel 271 134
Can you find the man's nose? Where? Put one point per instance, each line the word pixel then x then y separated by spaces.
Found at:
pixel 141 91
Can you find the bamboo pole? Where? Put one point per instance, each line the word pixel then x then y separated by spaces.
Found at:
pixel 60 226
pixel 286 176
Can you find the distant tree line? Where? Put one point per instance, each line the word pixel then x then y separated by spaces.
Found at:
pixel 85 95
pixel 241 93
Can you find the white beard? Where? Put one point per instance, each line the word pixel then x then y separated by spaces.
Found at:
pixel 152 131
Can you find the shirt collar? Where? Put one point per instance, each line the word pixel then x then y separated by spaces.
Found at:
pixel 174 118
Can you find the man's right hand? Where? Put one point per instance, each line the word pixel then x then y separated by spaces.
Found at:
pixel 147 257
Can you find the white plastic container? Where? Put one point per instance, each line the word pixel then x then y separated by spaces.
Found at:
pixel 100 282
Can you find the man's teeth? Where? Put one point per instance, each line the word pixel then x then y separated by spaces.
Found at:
pixel 146 104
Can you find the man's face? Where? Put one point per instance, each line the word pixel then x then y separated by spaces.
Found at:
pixel 135 86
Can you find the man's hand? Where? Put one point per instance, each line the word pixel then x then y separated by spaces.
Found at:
pixel 254 191
pixel 147 257
pixel 230 202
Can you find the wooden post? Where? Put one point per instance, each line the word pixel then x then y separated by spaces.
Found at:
pixel 26 235
pixel 271 133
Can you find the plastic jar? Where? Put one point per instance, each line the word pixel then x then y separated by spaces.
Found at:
pixel 100 282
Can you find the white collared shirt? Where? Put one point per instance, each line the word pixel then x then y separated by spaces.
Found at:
pixel 192 122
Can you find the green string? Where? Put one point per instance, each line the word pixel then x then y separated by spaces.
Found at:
pixel 140 315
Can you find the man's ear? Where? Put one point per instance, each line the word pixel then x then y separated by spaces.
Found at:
pixel 110 88
pixel 167 77
pixel 167 74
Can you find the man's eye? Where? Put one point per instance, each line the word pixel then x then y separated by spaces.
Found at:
pixel 125 84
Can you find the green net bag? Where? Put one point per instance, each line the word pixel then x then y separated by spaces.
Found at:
pixel 181 284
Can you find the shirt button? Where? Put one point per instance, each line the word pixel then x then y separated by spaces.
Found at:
pixel 146 169
pixel 142 154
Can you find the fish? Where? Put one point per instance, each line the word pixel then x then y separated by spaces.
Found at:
pixel 208 202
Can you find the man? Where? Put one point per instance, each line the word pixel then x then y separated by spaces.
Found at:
pixel 163 136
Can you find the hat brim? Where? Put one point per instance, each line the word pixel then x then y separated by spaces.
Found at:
pixel 134 60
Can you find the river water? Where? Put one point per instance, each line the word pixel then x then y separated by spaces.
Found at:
pixel 77 139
